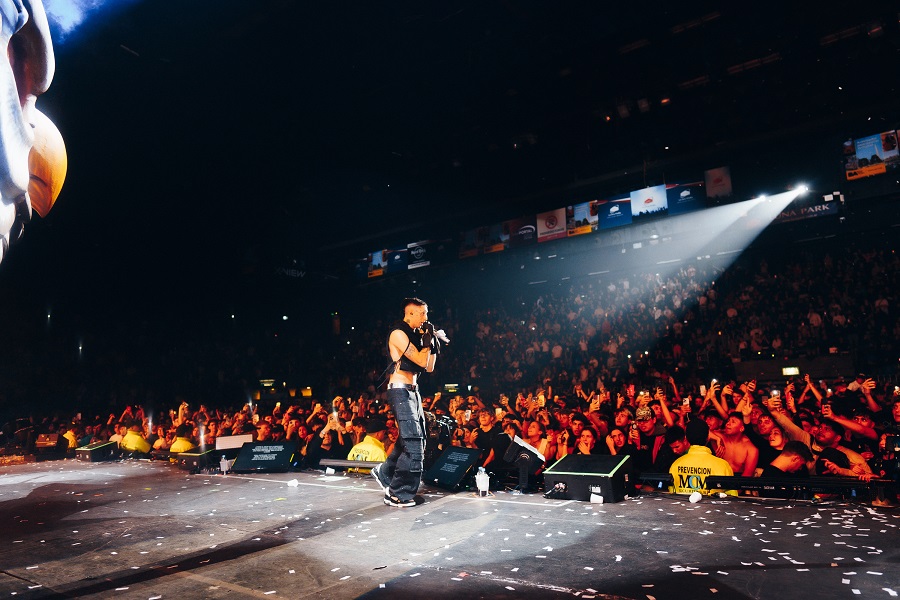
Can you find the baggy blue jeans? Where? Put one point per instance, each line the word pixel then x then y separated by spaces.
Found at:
pixel 404 465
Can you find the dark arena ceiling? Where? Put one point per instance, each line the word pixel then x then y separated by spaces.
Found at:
pixel 209 138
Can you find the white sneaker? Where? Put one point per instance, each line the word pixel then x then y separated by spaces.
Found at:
pixel 378 476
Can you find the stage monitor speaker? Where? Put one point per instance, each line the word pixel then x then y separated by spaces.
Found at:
pixel 230 446
pixel 526 458
pixel 264 457
pixel 197 459
pixel 98 452
pixel 584 474
pixel 449 470
pixel 519 447
pixel 51 442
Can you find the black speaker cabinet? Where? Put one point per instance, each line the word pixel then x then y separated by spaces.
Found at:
pixel 583 474
pixel 98 452
pixel 196 459
pixel 449 470
pixel 264 457
pixel 51 442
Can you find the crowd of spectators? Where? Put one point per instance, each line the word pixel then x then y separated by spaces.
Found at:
pixel 849 430
pixel 614 365
pixel 699 319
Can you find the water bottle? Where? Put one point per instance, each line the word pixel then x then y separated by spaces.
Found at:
pixel 482 482
pixel 223 464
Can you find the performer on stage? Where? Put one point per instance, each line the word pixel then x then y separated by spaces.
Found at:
pixel 413 345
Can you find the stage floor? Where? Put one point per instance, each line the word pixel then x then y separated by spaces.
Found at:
pixel 140 529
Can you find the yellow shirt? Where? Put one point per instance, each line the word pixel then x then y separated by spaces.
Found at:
pixel 689 471
pixel 181 445
pixel 370 450
pixel 134 442
pixel 73 441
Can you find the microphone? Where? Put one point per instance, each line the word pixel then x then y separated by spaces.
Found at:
pixel 440 334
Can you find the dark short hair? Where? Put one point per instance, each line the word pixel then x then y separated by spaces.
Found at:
pixel 697 432
pixel 837 428
pixel 675 433
pixel 864 412
pixel 413 301
pixel 796 448
pixel 835 456
pixel 580 417
pixel 375 425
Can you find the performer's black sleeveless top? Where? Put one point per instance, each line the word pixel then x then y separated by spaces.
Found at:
pixel 415 338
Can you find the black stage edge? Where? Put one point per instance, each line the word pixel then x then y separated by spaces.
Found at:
pixel 142 529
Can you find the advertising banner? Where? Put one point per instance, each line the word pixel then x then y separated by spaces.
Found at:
pixel 718 183
pixel 361 268
pixel 872 155
pixel 419 254
pixel 522 231
pixel 796 210
pixel 581 218
pixel 651 201
pixel 551 225
pixel 377 263
pixel 686 197
pixel 395 260
pixel 614 212
pixel 469 245
pixel 497 239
